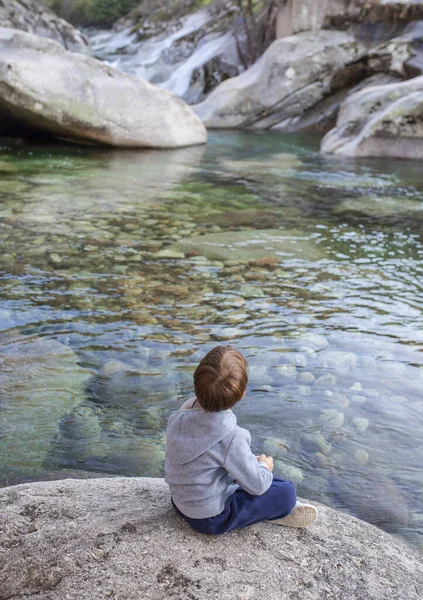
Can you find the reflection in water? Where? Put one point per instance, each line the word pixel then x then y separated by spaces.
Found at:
pixel 119 270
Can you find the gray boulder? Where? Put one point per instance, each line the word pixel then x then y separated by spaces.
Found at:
pixel 292 76
pixel 380 121
pixel 34 17
pixel 119 538
pixel 45 88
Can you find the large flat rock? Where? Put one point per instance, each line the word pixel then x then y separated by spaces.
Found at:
pixel 252 245
pixel 119 538
pixel 47 89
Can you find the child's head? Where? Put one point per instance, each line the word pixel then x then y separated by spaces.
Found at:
pixel 221 378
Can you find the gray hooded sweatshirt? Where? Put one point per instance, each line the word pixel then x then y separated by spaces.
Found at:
pixel 207 458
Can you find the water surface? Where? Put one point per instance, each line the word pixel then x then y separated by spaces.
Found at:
pixel 120 270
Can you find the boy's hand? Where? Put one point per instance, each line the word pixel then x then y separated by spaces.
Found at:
pixel 267 460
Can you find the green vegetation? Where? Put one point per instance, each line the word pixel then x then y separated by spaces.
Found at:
pixel 92 12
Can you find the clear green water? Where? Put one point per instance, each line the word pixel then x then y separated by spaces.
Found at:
pixel 120 270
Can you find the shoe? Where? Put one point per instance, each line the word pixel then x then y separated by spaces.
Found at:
pixel 302 515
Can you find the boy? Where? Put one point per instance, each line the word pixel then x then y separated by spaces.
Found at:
pixel 216 482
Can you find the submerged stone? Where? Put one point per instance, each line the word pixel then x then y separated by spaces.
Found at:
pixel 327 379
pixel 286 471
pixel 40 382
pixel 306 377
pixel 253 245
pixel 288 372
pixel 275 447
pixel 332 417
pixel 315 442
pixel 361 424
pixel 361 456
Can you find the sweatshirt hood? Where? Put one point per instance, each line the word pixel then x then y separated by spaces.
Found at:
pixel 194 431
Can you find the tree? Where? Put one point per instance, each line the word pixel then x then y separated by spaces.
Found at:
pixel 258 23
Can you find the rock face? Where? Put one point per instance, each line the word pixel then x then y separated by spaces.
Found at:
pixel 381 19
pixel 78 98
pixel 32 16
pixel 292 76
pixel 380 121
pixel 119 538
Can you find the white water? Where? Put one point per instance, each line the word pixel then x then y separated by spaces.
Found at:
pixel 166 60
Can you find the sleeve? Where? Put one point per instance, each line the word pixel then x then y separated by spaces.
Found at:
pixel 254 477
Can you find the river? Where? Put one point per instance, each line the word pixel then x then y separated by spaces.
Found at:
pixel 119 270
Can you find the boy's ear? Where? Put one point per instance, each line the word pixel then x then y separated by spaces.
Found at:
pixel 243 395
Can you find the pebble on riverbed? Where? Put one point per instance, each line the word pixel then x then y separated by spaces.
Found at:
pixel 327 379
pixel 360 424
pixel 286 471
pixel 361 456
pixel 288 372
pixel 332 417
pixel 275 447
pixel 315 442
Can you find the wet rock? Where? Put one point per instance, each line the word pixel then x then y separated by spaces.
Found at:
pixel 360 424
pixel 275 447
pixel 326 380
pixel 251 291
pixel 288 372
pixel 166 253
pixel 339 399
pixel 361 456
pixel 332 417
pixel 286 471
pixel 399 399
pixel 40 382
pixel 81 99
pixel 252 245
pixel 187 52
pixel 259 375
pixel 313 341
pixel 370 117
pixel 228 333
pixel 374 498
pixel 315 442
pixel 306 377
pixel 381 207
pixel 358 399
pixel 304 390
pixel 337 359
pixel 114 366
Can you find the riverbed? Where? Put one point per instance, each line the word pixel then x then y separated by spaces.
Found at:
pixel 120 270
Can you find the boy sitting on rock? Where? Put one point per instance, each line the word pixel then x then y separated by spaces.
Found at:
pixel 217 484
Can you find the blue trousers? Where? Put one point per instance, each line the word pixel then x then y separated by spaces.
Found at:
pixel 242 509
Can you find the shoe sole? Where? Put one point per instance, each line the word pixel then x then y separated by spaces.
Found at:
pixel 302 516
